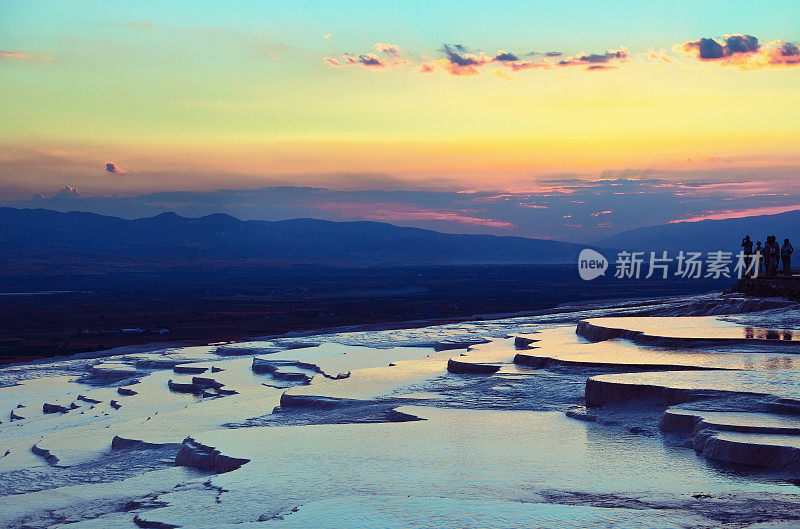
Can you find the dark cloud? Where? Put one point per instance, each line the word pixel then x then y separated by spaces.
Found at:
pixel 545 54
pixel 596 58
pixel 781 53
pixel 789 49
pixel 67 194
pixel 454 55
pixel 370 60
pixel 504 56
pixel 366 59
pixel 711 49
pixel 111 167
pixel 741 44
pixel 742 51
pixel 458 61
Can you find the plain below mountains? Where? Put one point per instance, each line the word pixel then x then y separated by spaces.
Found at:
pixel 36 238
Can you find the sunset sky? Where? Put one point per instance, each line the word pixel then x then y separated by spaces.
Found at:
pixel 417 113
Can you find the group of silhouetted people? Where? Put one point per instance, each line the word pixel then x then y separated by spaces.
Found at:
pixel 769 256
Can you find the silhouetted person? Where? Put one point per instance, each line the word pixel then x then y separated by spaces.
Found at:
pixel 786 256
pixel 759 257
pixel 765 250
pixel 747 246
pixel 773 252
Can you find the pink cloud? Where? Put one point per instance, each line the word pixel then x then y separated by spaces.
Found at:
pixel 737 214
pixel 369 60
pixel 529 65
pixel 503 197
pixel 22 56
pixel 388 211
pixel 779 53
pixel 738 189
pixel 459 62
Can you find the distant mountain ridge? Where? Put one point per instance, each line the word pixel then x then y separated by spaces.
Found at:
pixel 28 235
pixel 708 235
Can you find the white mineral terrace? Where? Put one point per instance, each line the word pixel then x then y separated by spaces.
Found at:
pixel 691 328
pixel 523 422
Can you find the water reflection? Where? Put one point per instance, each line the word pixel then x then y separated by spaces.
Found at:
pixel 770 334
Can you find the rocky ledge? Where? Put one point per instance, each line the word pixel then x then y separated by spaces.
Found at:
pixel 197 455
pixel 778 286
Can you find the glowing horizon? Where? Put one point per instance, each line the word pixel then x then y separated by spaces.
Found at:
pixel 445 96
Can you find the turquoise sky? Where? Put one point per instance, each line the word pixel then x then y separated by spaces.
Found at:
pixel 571 26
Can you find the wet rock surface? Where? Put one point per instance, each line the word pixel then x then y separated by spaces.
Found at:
pixel 522 420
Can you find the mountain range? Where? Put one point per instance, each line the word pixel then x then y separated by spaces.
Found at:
pixel 39 241
pixel 707 235
pixel 57 238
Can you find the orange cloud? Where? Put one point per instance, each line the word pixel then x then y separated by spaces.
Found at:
pixel 392 50
pixel 528 65
pixel 22 56
pixel 658 55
